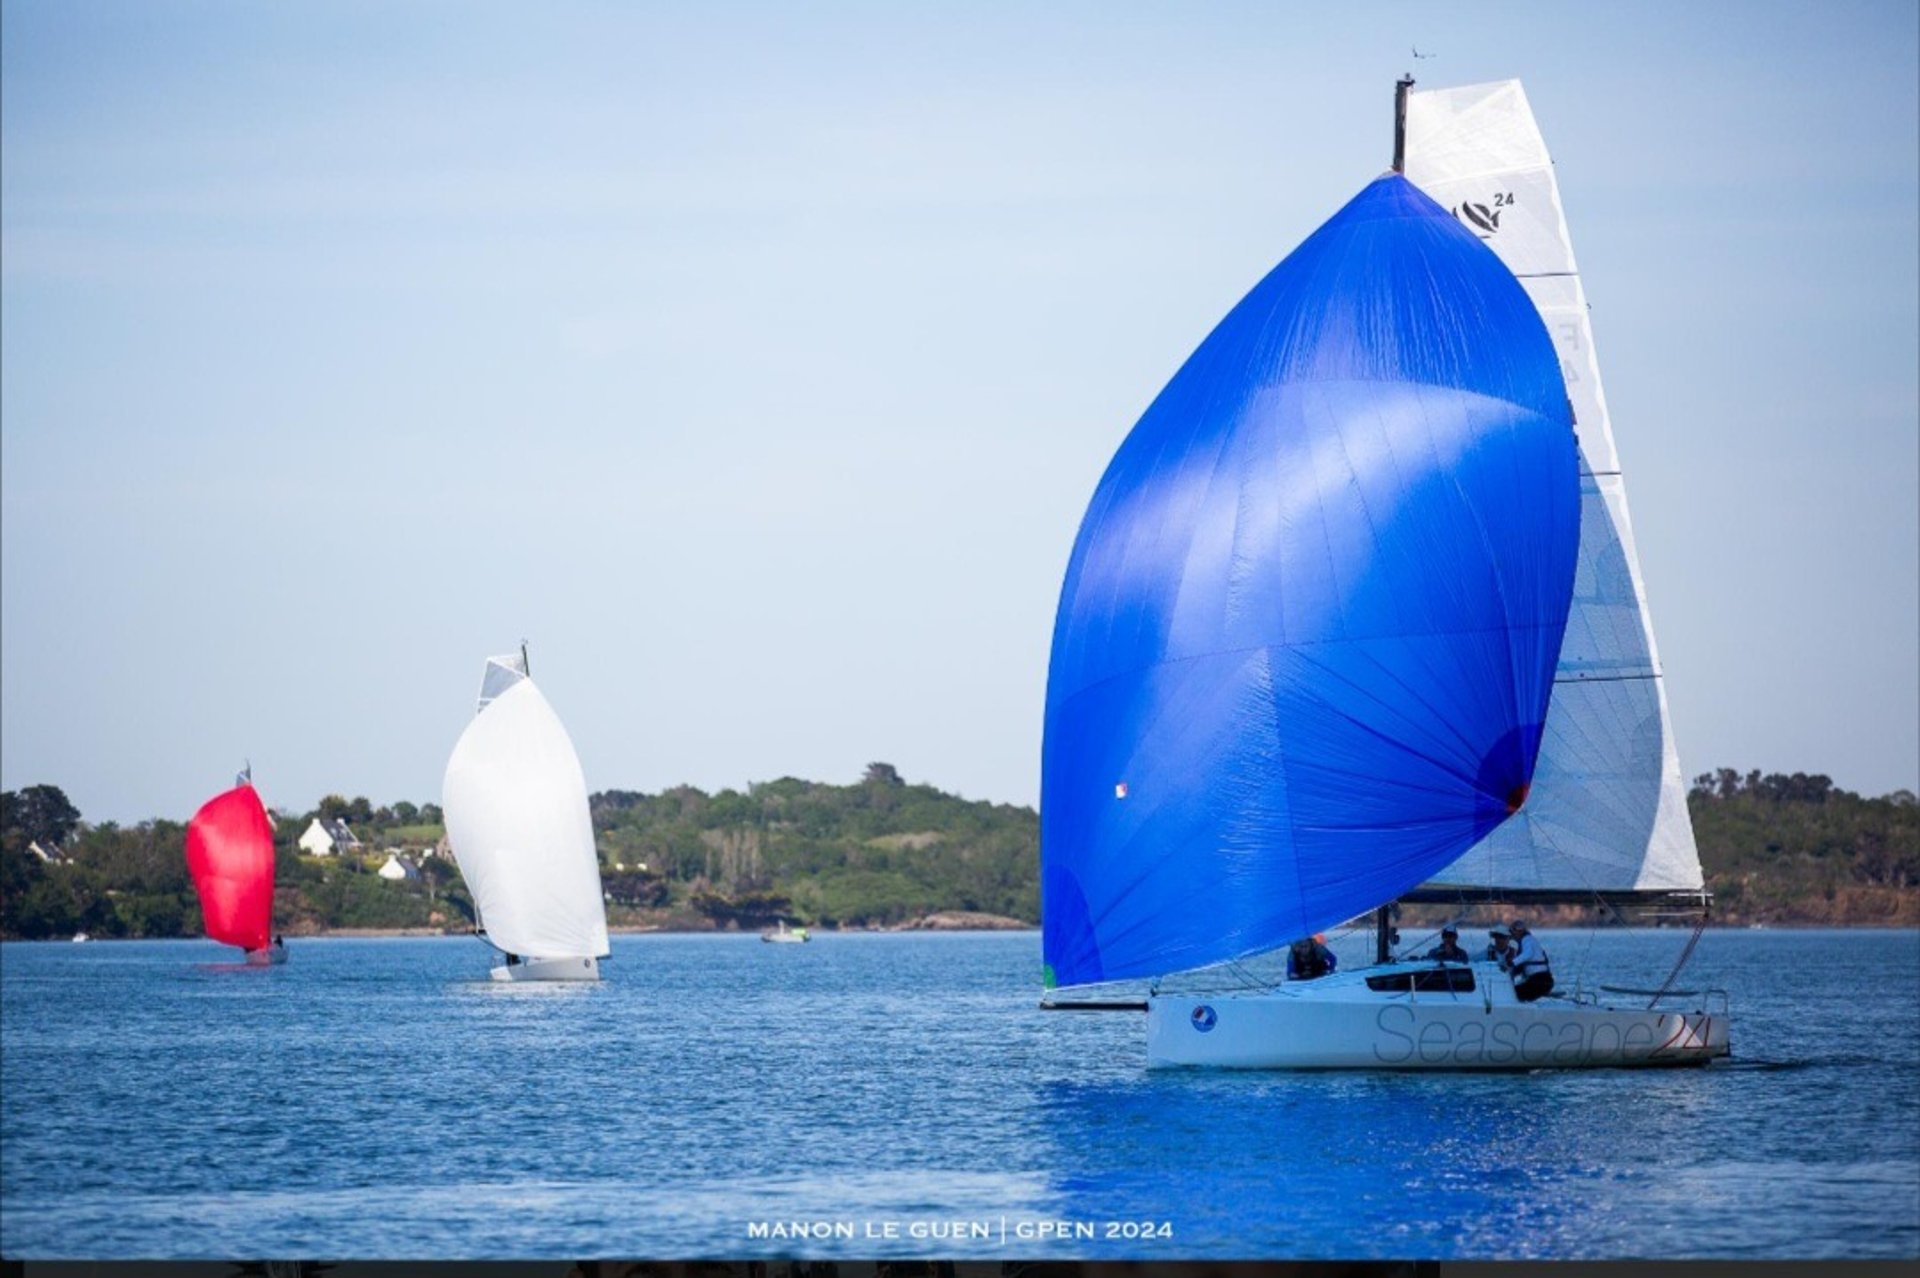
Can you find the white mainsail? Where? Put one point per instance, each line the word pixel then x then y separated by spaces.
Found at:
pixel 517 819
pixel 1608 809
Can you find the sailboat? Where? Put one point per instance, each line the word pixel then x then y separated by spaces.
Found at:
pixel 781 934
pixel 1354 618
pixel 230 857
pixel 517 821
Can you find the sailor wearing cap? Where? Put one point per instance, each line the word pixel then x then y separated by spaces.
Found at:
pixel 1449 950
pixel 1499 947
pixel 1531 976
pixel 1309 959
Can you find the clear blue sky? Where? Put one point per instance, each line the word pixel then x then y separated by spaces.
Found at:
pixel 756 362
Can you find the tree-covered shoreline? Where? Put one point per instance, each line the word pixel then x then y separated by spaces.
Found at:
pixel 1778 849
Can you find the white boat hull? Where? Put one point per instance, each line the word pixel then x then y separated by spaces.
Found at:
pixel 549 969
pixel 1338 1022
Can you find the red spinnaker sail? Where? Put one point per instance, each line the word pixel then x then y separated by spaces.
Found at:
pixel 230 855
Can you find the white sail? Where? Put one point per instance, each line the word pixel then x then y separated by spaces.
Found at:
pixel 500 674
pixel 1608 809
pixel 516 811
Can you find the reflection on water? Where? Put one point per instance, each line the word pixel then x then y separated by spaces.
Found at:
pixel 378 1098
pixel 1434 1164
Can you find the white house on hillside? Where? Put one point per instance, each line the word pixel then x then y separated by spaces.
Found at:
pixel 326 838
pixel 397 869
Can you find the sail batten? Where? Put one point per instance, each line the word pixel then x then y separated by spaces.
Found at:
pixel 1686 899
pixel 1306 638
pixel 1607 812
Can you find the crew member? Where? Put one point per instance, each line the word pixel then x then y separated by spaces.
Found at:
pixel 1449 950
pixel 1309 959
pixel 1499 947
pixel 1531 976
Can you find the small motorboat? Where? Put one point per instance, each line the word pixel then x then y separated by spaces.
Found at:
pixel 781 934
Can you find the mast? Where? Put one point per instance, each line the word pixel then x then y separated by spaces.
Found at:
pixel 1384 932
pixel 525 667
pixel 1400 90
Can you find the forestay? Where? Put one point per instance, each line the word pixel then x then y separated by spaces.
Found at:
pixel 1308 630
pixel 517 819
pixel 1607 813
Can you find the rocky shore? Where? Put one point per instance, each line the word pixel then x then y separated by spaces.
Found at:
pixel 963 921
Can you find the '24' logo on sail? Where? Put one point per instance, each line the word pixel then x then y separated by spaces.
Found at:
pixel 1483 218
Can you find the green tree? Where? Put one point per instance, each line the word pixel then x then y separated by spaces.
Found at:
pixel 41 813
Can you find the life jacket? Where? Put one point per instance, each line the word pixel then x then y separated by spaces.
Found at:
pixel 1533 964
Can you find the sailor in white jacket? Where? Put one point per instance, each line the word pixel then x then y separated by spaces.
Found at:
pixel 1531 975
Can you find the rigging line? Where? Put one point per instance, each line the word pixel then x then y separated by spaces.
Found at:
pixel 1686 953
pixel 1234 971
pixel 1539 831
pixel 1546 275
pixel 1253 980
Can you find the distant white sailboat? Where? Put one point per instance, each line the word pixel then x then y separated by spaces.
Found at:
pixel 781 934
pixel 517 821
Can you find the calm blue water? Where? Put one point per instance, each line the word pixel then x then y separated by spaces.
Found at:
pixel 379 1098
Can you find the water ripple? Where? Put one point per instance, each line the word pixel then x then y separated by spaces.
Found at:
pixel 382 1098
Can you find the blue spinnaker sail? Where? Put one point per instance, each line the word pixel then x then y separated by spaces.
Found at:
pixel 1308 632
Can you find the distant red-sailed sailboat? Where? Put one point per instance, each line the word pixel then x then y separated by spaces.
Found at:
pixel 230 855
